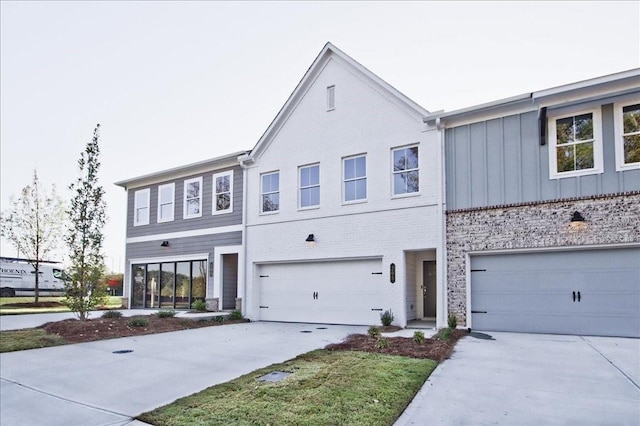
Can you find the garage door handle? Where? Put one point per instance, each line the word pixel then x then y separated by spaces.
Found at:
pixel 578 296
pixel 574 296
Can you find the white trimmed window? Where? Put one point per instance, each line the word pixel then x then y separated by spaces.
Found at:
pixel 193 198
pixel 406 171
pixel 141 207
pixel 223 192
pixel 309 193
pixel 166 202
pixel 270 192
pixel 575 144
pixel 627 133
pixel 355 179
pixel 331 98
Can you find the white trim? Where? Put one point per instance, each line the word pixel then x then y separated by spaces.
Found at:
pixel 173 202
pixel 145 220
pixel 618 134
pixel 164 259
pixel 598 163
pixel 184 204
pixel 185 234
pixel 215 193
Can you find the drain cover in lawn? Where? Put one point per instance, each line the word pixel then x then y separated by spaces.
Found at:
pixel 274 376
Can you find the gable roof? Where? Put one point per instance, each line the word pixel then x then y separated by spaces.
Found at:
pixel 328 52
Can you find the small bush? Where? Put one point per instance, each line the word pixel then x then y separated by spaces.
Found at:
pixel 166 313
pixel 452 321
pixel 386 318
pixel 138 322
pixel 199 305
pixel 112 314
pixel 218 318
pixel 382 343
pixel 445 334
pixel 235 315
pixel 418 337
pixel 374 332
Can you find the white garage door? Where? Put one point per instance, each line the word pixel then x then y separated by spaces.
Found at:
pixel 344 292
pixel 590 292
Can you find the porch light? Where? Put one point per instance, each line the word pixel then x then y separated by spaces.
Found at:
pixel 577 217
pixel 310 238
pixel 165 243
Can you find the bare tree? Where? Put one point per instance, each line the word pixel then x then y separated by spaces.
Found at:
pixel 34 224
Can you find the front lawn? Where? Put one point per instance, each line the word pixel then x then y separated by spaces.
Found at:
pixel 46 304
pixel 326 387
pixel 30 338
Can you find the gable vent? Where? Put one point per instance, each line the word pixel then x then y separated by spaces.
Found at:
pixel 331 98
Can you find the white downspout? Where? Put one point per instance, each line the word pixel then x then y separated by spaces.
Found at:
pixel 243 264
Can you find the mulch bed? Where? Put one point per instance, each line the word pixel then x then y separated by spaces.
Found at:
pixel 435 349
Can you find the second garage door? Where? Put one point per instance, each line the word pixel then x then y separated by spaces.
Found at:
pixel 343 292
pixel 590 292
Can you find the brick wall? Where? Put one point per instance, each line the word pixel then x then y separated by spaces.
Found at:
pixel 608 220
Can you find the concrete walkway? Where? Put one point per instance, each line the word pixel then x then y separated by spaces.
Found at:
pixel 529 379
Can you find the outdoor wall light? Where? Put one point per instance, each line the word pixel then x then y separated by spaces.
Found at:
pixel 577 217
pixel 164 244
pixel 310 238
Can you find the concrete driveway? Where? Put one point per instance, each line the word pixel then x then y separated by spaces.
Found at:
pixel 88 384
pixel 533 379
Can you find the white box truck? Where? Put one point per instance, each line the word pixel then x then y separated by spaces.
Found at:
pixel 18 278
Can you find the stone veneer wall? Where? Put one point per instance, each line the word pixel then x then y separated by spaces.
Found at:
pixel 613 219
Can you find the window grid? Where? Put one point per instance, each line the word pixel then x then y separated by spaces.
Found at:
pixel 355 179
pixel 630 135
pixel 141 207
pixel 270 192
pixel 309 186
pixel 193 198
pixel 406 171
pixel 166 202
pixel 223 193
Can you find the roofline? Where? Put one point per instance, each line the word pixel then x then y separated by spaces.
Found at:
pixel 216 162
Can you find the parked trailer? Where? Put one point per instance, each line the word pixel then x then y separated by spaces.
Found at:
pixel 18 278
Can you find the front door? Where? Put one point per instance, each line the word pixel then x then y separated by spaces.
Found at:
pixel 429 289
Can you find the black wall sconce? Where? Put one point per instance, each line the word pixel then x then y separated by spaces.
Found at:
pixel 577 217
pixel 164 244
pixel 310 238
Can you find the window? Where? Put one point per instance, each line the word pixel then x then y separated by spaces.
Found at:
pixel 355 178
pixel 270 192
pixel 627 134
pixel 575 146
pixel 193 198
pixel 141 207
pixel 165 202
pixel 223 193
pixel 406 172
pixel 331 98
pixel 309 186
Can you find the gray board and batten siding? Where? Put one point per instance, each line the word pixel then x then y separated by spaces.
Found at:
pixel 501 161
pixel 207 220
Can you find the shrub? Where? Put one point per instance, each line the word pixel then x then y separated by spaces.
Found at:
pixel 235 315
pixel 386 318
pixel 166 313
pixel 374 332
pixel 382 343
pixel 199 305
pixel 218 318
pixel 445 334
pixel 112 314
pixel 452 321
pixel 138 322
pixel 418 337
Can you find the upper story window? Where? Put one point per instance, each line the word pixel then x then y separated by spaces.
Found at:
pixel 331 98
pixel 627 134
pixel 270 192
pixel 575 146
pixel 141 207
pixel 355 178
pixel 223 192
pixel 406 171
pixel 166 202
pixel 193 198
pixel 309 186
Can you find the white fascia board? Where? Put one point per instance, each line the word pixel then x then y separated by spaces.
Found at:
pixel 603 83
pixel 211 164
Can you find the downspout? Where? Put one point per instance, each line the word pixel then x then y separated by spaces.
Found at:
pixel 441 320
pixel 244 167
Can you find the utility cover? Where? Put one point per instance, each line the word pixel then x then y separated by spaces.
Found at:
pixel 274 376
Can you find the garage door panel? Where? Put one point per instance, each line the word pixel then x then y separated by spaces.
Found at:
pixel 534 292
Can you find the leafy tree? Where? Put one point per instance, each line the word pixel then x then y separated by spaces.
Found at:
pixel 87 216
pixel 33 224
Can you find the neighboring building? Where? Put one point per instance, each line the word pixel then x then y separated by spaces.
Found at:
pixel 543 210
pixel 344 204
pixel 184 236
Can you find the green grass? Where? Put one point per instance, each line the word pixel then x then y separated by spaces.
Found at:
pixel 326 388
pixel 114 303
pixel 31 338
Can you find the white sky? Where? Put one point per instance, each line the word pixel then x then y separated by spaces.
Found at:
pixel 173 83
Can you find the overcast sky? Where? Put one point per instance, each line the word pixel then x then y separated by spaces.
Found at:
pixel 173 83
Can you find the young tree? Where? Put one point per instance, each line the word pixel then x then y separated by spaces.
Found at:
pixel 87 217
pixel 34 224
